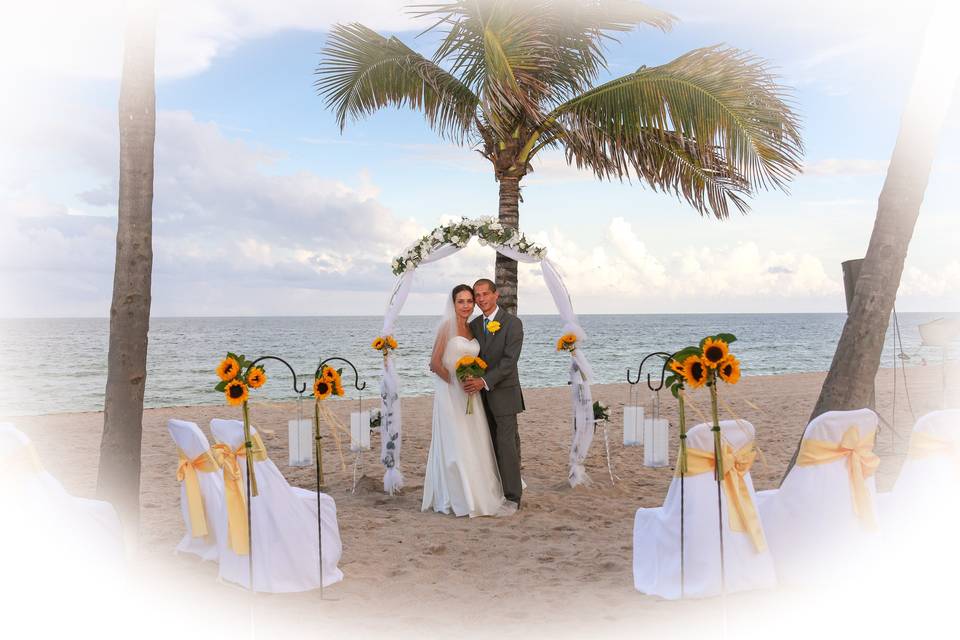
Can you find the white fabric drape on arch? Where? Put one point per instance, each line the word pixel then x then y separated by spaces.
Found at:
pixel 391 422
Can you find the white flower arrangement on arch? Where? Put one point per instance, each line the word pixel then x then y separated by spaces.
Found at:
pixel 487 229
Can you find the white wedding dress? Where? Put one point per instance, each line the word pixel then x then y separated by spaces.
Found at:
pixel 462 474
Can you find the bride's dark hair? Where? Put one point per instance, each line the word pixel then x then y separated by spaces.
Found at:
pixel 457 289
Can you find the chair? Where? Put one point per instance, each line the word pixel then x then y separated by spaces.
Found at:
pixel 201 491
pixel 284 521
pixel 656 531
pixel 50 535
pixel 823 518
pixel 923 504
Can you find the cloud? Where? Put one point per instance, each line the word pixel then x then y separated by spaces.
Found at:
pixel 846 167
pixel 85 39
pixel 709 277
pixel 220 216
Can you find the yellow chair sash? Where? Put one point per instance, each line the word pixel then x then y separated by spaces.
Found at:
pixel 237 531
pixel 187 473
pixel 862 463
pixel 742 515
pixel 20 462
pixel 259 450
pixel 234 493
pixel 924 445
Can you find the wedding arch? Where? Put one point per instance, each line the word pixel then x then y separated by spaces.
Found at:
pixel 443 242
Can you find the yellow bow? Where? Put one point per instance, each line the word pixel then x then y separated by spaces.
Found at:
pixel 20 462
pixel 924 445
pixel 187 473
pixel 862 463
pixel 736 464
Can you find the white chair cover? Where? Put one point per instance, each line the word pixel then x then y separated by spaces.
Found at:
pixel 52 540
pixel 284 522
pixel 656 533
pixel 922 510
pixel 812 528
pixel 192 441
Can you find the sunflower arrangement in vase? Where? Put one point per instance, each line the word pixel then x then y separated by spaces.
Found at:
pixel 470 367
pixel 705 364
pixel 237 376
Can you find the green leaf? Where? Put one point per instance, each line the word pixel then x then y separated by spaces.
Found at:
pixel 675 391
pixel 222 386
pixel 686 352
pixel 726 337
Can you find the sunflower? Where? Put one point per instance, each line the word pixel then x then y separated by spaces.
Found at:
pixel 378 344
pixel 569 338
pixel 676 367
pixel 322 388
pixel 695 370
pixel 714 351
pixel 329 374
pixel 391 342
pixel 729 370
pixel 465 361
pixel 338 388
pixel 482 364
pixel 256 377
pixel 228 369
pixel 236 393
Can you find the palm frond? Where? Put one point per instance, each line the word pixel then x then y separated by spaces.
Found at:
pixel 721 101
pixel 362 71
pixel 561 41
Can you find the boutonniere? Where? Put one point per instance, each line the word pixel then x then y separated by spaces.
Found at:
pixel 493 326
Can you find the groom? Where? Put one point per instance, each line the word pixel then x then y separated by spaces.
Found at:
pixel 501 336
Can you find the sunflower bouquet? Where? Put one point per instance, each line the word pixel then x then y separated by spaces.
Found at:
pixel 470 367
pixel 705 364
pixel 237 376
pixel 327 382
pixel 384 344
pixel 567 342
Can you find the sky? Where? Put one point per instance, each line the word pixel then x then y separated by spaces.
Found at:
pixel 264 207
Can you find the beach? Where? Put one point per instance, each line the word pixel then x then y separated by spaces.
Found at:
pixel 563 561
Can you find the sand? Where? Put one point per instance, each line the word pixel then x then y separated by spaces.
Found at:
pixel 562 564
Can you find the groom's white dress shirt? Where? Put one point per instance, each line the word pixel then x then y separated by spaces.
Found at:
pixel 487 319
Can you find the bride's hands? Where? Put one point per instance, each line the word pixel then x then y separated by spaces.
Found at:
pixel 473 385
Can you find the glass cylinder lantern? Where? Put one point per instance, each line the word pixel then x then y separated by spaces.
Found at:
pixel 632 426
pixel 655 437
pixel 300 444
pixel 359 431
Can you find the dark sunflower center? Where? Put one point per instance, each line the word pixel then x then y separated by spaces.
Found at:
pixel 728 369
pixel 322 387
pixel 696 370
pixel 714 354
pixel 236 391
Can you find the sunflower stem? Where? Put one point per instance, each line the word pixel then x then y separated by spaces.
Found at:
pixel 318 444
pixel 683 432
pixel 248 446
pixel 717 454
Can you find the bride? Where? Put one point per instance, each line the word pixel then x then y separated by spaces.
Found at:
pixel 462 471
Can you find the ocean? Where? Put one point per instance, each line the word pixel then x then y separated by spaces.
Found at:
pixel 60 365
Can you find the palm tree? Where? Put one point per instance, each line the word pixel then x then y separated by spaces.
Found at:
pixel 118 479
pixel 851 379
pixel 515 78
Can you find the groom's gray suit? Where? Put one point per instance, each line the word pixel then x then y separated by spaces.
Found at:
pixel 503 398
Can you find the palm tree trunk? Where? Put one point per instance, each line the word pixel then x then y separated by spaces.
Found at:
pixel 850 381
pixel 118 480
pixel 506 269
